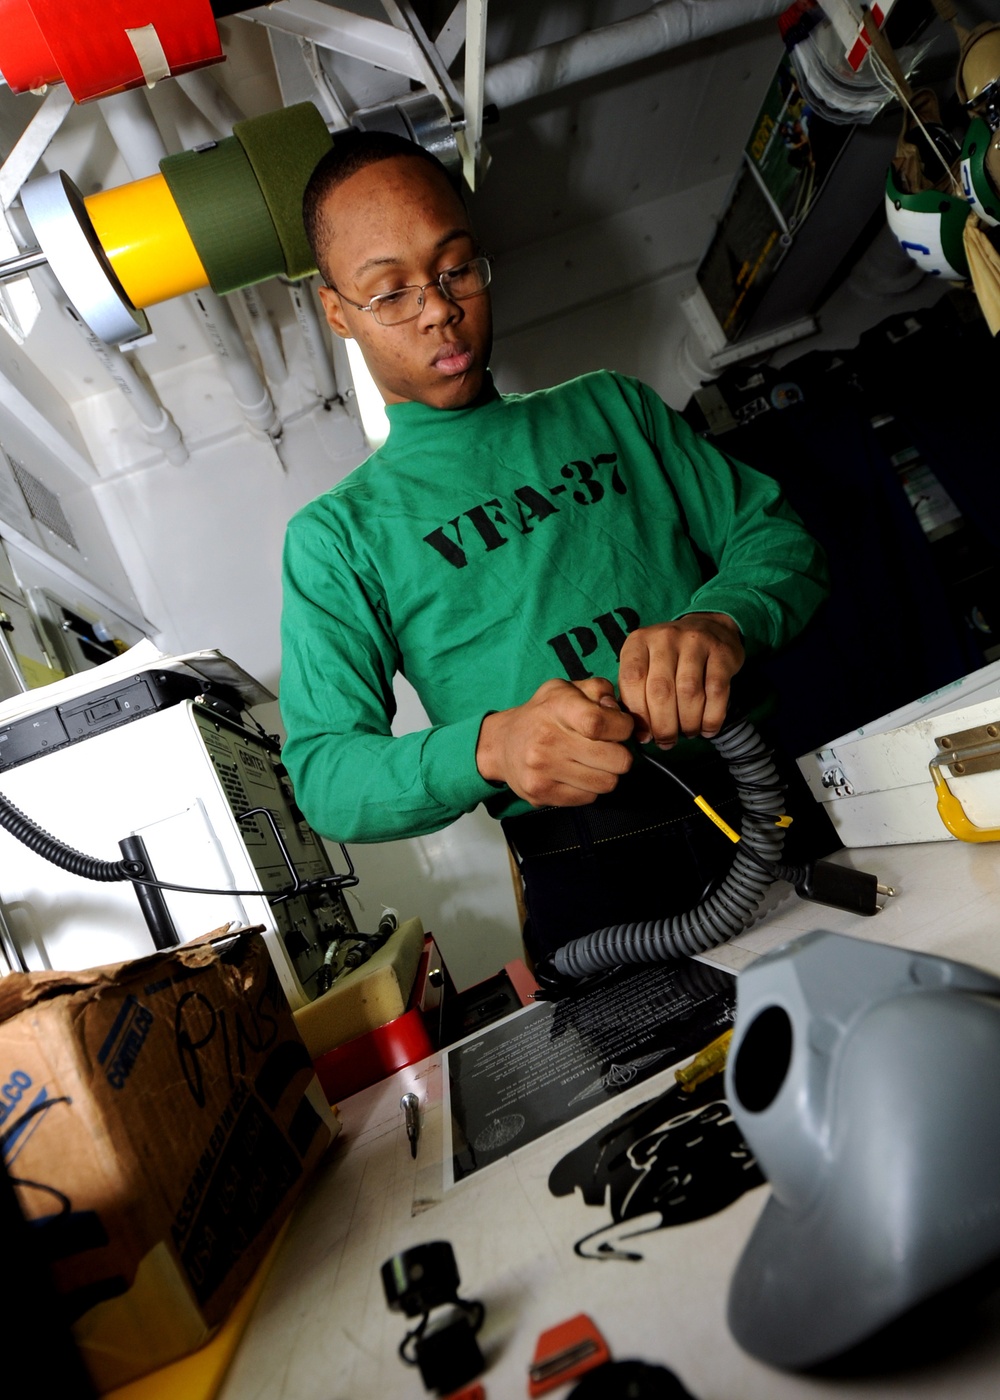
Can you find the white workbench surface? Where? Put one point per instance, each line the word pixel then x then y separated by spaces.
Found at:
pixel 322 1331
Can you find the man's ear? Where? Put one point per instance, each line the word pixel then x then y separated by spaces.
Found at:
pixel 334 312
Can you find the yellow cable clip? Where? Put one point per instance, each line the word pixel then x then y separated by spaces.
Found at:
pixel 713 816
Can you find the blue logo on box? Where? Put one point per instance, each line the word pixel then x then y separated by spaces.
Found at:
pixel 124 1041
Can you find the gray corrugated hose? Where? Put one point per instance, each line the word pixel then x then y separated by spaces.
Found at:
pixel 728 910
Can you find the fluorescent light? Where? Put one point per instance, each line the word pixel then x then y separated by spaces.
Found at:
pixel 370 404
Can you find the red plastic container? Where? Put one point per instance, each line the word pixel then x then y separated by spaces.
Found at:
pixel 348 1068
pixel 84 42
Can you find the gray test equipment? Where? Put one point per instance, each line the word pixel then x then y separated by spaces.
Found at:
pixel 151 758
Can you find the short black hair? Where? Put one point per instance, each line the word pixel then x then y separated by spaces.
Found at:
pixel 352 151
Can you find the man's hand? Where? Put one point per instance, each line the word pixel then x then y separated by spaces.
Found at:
pixel 561 748
pixel 674 677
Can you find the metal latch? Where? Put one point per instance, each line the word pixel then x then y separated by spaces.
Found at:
pixel 835 778
pixel 970 750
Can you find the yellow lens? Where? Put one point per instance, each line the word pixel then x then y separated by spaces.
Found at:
pixel 141 230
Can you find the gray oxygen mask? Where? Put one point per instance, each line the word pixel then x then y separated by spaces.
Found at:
pixel 866 1081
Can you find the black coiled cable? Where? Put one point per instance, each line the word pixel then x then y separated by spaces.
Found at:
pixel 50 848
pixel 30 834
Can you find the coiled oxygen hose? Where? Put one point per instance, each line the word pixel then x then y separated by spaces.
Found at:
pixel 729 909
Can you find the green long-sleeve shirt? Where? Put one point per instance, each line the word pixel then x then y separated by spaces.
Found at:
pixel 483 551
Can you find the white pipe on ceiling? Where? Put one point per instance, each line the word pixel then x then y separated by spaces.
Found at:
pixel 265 336
pixel 252 393
pixel 665 26
pixel 134 131
pixel 157 424
pixel 249 389
pixel 303 300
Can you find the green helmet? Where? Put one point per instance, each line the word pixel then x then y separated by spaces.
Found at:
pixel 981 170
pixel 929 228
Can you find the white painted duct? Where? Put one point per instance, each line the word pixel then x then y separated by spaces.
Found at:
pixel 157 424
pixel 265 336
pixel 252 394
pixel 665 26
pixel 311 327
pixel 128 117
pixel 224 335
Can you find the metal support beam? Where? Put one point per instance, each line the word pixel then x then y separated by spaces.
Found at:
pixel 301 77
pixel 213 102
pixel 19 304
pixel 451 35
pixel 22 262
pixel 433 73
pixel 33 143
pixel 475 73
pixel 369 40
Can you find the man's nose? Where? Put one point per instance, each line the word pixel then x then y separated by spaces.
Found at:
pixel 437 307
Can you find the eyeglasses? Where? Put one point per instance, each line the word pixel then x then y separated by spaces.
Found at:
pixel 455 283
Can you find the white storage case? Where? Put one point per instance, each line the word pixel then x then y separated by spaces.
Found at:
pixel 875 781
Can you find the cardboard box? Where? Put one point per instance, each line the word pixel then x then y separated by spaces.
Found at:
pixel 159 1119
pixel 875 781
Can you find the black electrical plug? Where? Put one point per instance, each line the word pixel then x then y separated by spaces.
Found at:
pixel 857 891
pixel 417 1281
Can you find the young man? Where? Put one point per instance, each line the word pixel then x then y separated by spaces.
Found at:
pixel 514 558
